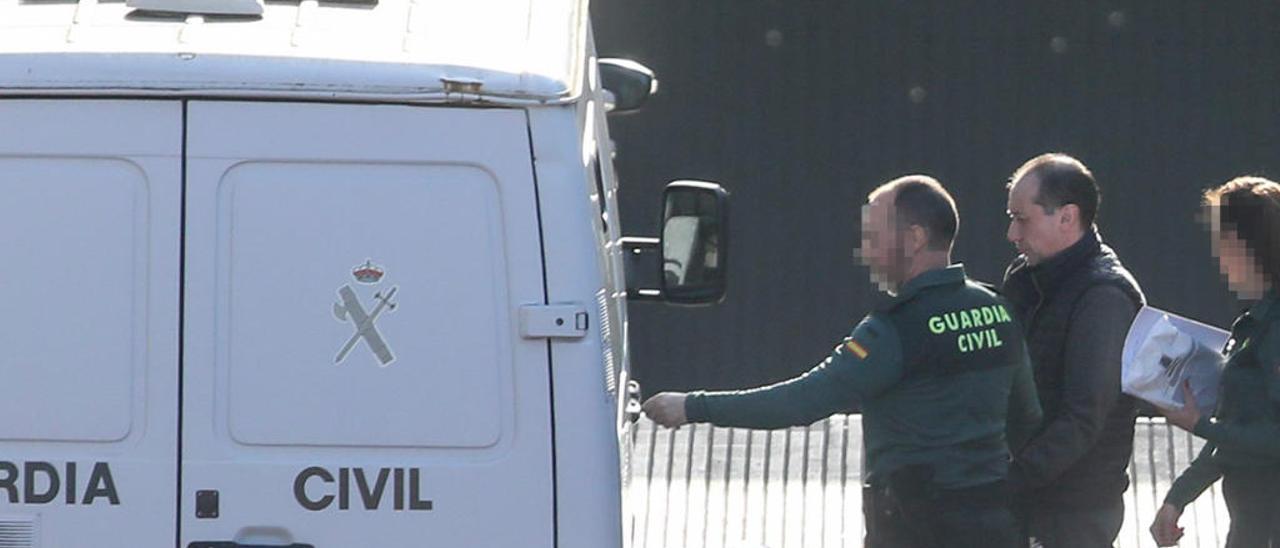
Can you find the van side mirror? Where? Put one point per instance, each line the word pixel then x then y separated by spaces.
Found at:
pixel 629 83
pixel 691 252
pixel 694 242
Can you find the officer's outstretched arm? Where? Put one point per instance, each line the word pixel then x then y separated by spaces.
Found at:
pixel 862 366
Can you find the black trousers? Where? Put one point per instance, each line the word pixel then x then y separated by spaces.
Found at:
pixel 1076 528
pixel 975 517
pixel 1253 500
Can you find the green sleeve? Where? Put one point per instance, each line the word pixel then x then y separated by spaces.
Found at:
pixel 1024 414
pixel 1260 437
pixel 1204 470
pixel 862 366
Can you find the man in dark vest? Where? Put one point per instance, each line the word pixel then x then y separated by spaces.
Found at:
pixel 940 371
pixel 1075 301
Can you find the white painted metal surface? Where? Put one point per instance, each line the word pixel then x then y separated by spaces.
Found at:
pixel 587 411
pixel 520 51
pixel 286 205
pixel 354 371
pixel 89 233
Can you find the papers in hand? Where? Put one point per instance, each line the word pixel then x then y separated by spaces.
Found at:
pixel 1162 350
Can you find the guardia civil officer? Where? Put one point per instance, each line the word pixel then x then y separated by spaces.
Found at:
pixel 1243 434
pixel 940 371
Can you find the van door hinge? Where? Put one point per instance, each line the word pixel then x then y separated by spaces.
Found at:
pixel 553 321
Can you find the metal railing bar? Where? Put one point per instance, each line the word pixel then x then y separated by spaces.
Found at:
pixel 688 483
pixel 804 486
pixel 635 437
pixel 671 459
pixel 826 450
pixel 648 488
pixel 844 479
pixel 1133 484
pixel 728 468
pixel 706 471
pixel 786 478
pixel 1153 470
pixel 746 484
pixel 768 457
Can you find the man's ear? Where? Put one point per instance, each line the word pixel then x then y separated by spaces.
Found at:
pixel 917 239
pixel 1069 216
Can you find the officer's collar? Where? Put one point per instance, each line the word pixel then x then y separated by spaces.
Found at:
pixel 1260 309
pixel 948 275
pixel 1255 313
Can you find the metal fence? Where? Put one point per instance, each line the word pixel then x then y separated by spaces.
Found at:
pixel 702 486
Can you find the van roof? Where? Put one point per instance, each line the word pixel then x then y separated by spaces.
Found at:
pixel 499 51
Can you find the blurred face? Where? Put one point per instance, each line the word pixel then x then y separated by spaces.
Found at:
pixel 1036 234
pixel 1238 265
pixel 881 249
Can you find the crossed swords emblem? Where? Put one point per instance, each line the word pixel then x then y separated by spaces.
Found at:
pixel 366 328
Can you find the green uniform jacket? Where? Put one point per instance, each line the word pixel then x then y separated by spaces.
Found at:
pixel 1244 431
pixel 941 372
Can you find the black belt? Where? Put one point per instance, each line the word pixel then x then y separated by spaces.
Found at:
pixel 914 484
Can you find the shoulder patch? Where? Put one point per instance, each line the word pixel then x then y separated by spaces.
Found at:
pixel 857 349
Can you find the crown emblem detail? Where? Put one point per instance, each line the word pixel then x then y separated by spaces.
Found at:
pixel 368 273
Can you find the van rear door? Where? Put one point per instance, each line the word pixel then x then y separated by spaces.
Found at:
pixel 90 232
pixel 354 373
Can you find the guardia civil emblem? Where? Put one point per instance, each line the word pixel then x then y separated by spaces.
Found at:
pixel 350 309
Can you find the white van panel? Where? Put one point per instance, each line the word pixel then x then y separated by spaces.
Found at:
pixel 296 231
pixel 90 234
pixel 75 272
pixel 587 437
pixel 434 432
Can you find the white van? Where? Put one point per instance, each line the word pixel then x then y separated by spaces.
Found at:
pixel 330 275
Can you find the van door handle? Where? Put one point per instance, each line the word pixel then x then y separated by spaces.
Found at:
pixel 633 410
pixel 232 544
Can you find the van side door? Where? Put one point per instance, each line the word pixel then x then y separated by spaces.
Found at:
pixel 90 235
pixel 356 375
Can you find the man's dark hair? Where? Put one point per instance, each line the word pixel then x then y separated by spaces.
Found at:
pixel 922 201
pixel 1063 180
pixel 1250 208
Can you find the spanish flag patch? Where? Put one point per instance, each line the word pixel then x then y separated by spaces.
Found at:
pixel 856 348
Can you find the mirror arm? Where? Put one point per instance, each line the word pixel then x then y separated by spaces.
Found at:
pixel 636 251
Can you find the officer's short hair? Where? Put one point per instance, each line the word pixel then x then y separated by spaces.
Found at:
pixel 1250 207
pixel 1063 180
pixel 922 201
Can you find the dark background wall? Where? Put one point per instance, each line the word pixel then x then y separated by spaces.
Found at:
pixel 801 107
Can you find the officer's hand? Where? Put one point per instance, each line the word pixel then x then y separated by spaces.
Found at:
pixel 1165 527
pixel 1186 417
pixel 666 409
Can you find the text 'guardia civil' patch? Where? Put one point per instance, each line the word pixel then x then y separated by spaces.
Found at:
pixel 965 322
